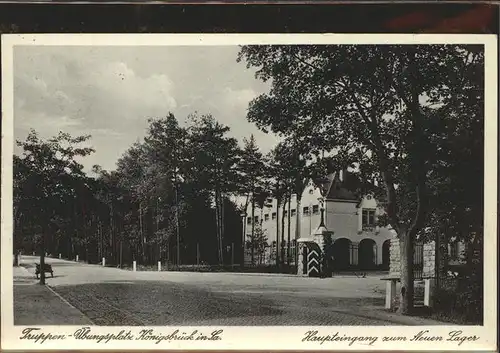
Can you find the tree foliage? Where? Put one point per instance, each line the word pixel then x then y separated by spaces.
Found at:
pixel 167 200
pixel 383 110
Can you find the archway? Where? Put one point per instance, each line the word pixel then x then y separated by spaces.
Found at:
pixel 386 254
pixel 367 254
pixel 341 254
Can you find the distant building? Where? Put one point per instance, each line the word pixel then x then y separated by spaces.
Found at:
pixel 358 242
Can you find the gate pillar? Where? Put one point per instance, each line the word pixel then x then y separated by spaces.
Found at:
pixel 309 264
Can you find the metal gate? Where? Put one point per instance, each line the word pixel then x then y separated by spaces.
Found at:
pixel 418 260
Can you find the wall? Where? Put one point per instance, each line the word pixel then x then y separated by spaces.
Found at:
pixel 429 259
pixel 308 224
pixel 343 218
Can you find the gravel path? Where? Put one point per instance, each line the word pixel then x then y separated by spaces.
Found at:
pixel 160 303
pixel 110 296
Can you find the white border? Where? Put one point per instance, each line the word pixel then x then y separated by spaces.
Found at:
pixel 255 338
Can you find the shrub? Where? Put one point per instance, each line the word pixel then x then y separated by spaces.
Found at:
pixel 461 299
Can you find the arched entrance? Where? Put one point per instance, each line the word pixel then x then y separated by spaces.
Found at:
pixel 367 254
pixel 341 254
pixel 386 254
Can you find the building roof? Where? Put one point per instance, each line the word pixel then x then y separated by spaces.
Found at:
pixel 338 189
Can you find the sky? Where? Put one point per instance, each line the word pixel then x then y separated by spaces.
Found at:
pixel 110 92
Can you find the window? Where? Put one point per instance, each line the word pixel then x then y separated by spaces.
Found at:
pixel 315 209
pixel 269 200
pixel 368 218
pixel 256 219
pixel 293 213
pixel 454 251
pixel 305 211
pixel 311 191
pixel 266 217
pixel 273 216
pixel 249 220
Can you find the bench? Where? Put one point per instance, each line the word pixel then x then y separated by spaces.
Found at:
pixel 47 268
pixel 390 290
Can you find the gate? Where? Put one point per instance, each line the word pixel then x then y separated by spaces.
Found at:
pixel 418 260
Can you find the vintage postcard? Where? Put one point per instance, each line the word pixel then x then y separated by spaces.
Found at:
pixel 249 192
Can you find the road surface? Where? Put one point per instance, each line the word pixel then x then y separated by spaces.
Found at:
pixel 110 296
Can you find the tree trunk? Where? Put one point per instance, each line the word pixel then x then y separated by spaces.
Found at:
pixel 217 226
pixel 407 284
pixel 177 228
pixel 282 249
pixel 42 259
pixel 252 241
pixel 297 225
pixel 243 239
pixel 121 250
pixel 141 234
pixel 277 233
pixel 289 228
pixel 222 227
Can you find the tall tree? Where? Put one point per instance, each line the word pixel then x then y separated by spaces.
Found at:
pixel 166 148
pixel 50 178
pixel 253 171
pixel 215 157
pixel 277 171
pixel 373 105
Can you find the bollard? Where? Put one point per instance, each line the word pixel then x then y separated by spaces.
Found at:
pixel 134 267
pixel 159 265
pixel 59 255
pixel 33 253
pixel 76 258
pixel 103 262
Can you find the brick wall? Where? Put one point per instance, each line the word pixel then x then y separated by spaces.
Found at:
pixel 395 262
pixel 429 259
pixel 429 269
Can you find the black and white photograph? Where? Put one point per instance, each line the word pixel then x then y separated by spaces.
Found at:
pixel 268 182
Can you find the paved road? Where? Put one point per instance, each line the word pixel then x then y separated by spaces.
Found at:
pixel 110 296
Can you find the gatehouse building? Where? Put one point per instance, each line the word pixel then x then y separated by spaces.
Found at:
pixel 358 243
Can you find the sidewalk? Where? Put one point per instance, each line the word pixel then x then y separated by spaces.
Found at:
pixel 36 304
pixel 398 319
pixel 22 275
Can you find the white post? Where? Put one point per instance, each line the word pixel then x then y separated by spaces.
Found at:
pixel 134 266
pixel 390 293
pixel 103 262
pixel 159 265
pixel 76 258
pixel 428 292
pixel 33 253
pixel 59 255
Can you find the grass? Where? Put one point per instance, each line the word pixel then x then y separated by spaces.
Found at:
pixel 212 268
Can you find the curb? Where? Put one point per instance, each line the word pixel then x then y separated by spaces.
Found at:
pixel 68 303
